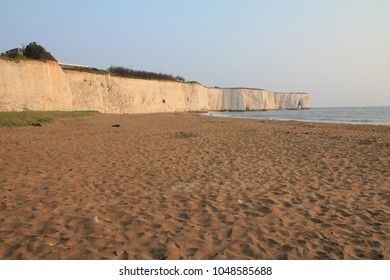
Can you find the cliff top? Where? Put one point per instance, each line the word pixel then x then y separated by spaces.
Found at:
pixel 31 51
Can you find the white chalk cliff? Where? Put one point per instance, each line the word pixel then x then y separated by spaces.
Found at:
pixel 43 86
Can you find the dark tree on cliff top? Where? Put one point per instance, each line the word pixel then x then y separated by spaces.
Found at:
pixel 35 51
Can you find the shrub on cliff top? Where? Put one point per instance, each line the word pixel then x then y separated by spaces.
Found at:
pixel 130 73
pixel 35 51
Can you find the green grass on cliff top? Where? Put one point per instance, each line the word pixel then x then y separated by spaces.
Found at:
pixel 10 119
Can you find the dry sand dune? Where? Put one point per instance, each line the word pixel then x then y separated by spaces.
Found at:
pixel 183 186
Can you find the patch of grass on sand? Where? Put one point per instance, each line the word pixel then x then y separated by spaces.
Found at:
pixel 10 119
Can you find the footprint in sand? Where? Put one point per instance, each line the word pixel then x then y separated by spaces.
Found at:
pixel 191 252
pixel 263 210
pixel 160 252
pixel 8 200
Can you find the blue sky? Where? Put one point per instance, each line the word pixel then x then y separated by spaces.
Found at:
pixel 338 51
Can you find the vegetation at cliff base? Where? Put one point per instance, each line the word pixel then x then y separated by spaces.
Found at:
pixel 10 119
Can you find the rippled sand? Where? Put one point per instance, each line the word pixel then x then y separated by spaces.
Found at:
pixel 185 186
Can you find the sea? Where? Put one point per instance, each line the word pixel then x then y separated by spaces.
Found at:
pixel 349 115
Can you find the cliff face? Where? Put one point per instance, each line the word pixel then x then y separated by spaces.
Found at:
pixel 34 85
pixel 243 99
pixel 110 94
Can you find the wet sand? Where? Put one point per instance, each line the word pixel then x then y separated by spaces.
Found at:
pixel 185 186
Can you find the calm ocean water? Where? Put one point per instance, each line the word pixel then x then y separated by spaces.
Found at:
pixel 351 115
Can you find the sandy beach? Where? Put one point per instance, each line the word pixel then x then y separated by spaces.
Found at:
pixel 186 186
